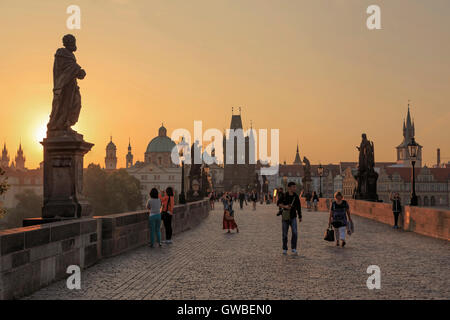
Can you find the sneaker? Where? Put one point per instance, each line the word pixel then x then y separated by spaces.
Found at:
pixel 343 244
pixel 284 252
pixel 294 251
pixel 160 244
pixel 169 241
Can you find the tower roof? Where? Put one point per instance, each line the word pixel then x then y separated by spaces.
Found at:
pixel 236 122
pixel 111 145
pixel 297 157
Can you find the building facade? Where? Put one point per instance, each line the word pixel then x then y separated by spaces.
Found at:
pixel 432 185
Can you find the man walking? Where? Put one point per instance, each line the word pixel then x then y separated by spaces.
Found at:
pixel 290 203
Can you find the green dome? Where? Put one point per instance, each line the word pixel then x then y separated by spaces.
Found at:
pixel 160 144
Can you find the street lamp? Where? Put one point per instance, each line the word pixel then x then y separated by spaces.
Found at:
pixel 320 172
pixel 182 198
pixel 413 148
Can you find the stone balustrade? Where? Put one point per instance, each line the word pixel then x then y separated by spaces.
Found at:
pixel 427 221
pixel 35 256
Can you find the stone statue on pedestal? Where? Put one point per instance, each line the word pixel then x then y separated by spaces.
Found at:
pixel 64 148
pixel 66 104
pixel 195 175
pixel 366 176
pixel 306 180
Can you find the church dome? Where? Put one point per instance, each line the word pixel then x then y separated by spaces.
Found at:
pixel 111 145
pixel 161 143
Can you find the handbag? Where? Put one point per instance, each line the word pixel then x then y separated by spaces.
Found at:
pixel 329 234
pixel 286 214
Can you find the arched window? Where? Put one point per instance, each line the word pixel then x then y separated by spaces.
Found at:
pixel 432 201
pixel 425 201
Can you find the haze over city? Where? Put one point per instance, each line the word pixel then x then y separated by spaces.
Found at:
pixel 309 68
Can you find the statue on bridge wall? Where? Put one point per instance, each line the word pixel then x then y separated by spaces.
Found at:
pixel 306 180
pixel 366 176
pixel 195 191
pixel 64 148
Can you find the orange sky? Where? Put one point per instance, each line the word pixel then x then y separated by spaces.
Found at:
pixel 309 68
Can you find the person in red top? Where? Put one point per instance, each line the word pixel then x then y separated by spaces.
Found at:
pixel 167 205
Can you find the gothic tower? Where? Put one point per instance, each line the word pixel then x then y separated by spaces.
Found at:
pixel 4 161
pixel 297 160
pixel 20 159
pixel 239 168
pixel 409 132
pixel 111 158
pixel 129 157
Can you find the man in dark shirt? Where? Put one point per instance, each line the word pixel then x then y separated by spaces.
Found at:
pixel 291 201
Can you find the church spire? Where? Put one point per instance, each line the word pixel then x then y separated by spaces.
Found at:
pixel 297 157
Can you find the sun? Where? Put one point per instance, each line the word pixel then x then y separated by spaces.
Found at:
pixel 40 132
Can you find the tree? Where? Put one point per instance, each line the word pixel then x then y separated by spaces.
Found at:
pixel 29 205
pixel 3 188
pixel 111 192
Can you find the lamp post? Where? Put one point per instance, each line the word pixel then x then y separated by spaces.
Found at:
pixel 413 147
pixel 182 198
pixel 320 172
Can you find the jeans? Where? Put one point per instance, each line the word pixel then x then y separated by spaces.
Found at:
pixel 285 227
pixel 396 214
pixel 168 225
pixel 154 223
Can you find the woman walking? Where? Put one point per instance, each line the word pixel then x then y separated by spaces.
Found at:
pixel 168 203
pixel 396 207
pixel 228 215
pixel 154 205
pixel 340 218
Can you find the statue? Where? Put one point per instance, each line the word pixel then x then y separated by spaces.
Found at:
pixel 66 104
pixel 306 180
pixel 195 175
pixel 64 148
pixel 366 176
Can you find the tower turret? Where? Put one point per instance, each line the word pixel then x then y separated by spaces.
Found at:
pixel 111 158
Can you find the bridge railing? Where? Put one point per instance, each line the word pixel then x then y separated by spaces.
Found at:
pixel 33 257
pixel 426 221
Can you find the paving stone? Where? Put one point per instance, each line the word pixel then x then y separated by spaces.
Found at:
pixel 207 263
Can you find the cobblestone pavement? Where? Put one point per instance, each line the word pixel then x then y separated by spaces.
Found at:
pixel 207 263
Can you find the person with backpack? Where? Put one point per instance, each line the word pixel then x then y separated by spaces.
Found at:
pixel 340 218
pixel 396 207
pixel 154 205
pixel 168 203
pixel 291 209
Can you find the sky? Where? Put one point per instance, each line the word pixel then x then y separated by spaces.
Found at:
pixel 309 68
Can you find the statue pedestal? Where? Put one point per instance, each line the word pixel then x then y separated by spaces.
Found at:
pixel 367 186
pixel 63 176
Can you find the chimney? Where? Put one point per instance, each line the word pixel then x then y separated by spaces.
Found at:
pixel 438 157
